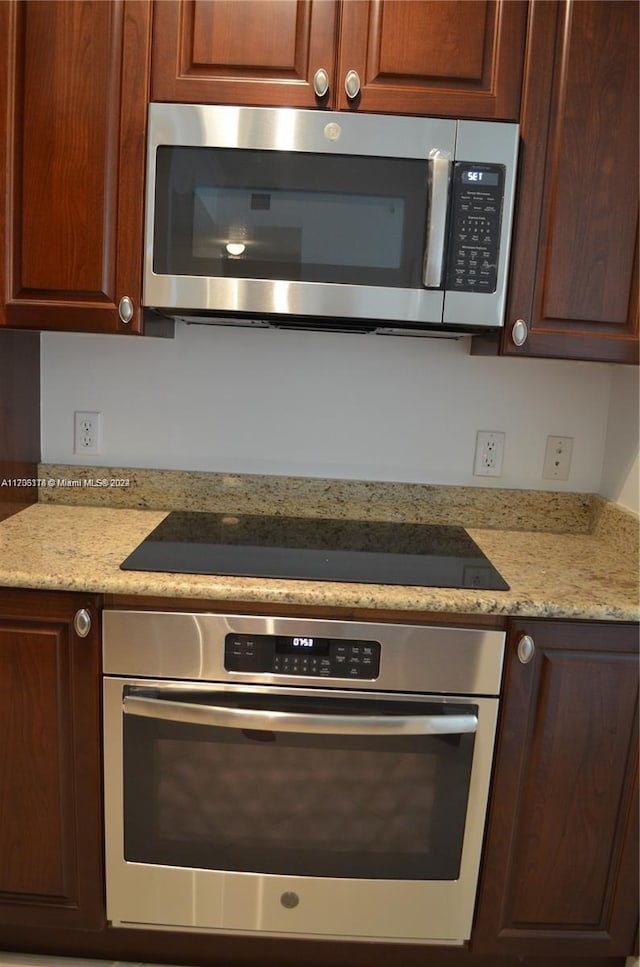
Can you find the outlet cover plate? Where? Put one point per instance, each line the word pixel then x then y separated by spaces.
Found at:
pixel 87 432
pixel 489 453
pixel 557 458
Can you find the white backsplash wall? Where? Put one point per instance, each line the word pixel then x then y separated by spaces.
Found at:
pixel 310 404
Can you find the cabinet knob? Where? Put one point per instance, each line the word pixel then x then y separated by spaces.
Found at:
pixel 125 309
pixel 352 84
pixel 320 82
pixel 519 332
pixel 526 649
pixel 82 623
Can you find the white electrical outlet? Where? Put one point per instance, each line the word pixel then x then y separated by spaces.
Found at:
pixel 87 432
pixel 489 453
pixel 557 458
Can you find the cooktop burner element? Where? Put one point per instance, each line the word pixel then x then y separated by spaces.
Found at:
pixel 369 552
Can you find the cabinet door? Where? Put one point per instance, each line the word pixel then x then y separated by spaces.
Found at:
pixel 560 866
pixel 76 140
pixel 51 869
pixel 462 58
pixel 574 276
pixel 255 52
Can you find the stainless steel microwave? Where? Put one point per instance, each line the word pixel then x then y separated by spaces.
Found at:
pixel 313 219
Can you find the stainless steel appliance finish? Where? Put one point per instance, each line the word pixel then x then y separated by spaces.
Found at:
pixel 461 243
pixel 331 797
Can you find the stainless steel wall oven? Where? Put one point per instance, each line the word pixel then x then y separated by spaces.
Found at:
pixel 296 777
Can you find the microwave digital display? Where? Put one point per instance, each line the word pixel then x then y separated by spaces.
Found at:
pixel 473 177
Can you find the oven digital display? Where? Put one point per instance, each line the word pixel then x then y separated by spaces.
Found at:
pixel 297 645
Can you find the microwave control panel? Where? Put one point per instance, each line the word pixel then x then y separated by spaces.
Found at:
pixel 302 656
pixel 474 233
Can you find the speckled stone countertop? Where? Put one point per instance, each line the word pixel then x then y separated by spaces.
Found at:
pixel 563 555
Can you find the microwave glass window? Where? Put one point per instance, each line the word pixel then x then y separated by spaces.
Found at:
pixel 298 227
pixel 390 807
pixel 293 216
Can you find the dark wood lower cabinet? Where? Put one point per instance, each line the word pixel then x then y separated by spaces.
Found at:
pixel 560 869
pixel 50 786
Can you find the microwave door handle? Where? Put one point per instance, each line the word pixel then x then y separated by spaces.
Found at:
pixel 437 215
pixel 258 719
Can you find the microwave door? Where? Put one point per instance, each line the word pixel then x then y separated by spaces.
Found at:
pixel 348 227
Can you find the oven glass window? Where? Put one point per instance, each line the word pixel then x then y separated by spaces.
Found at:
pixel 263 801
pixel 222 212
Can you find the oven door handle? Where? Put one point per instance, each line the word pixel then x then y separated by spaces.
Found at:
pixel 259 719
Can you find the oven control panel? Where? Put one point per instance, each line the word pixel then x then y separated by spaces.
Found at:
pixel 302 656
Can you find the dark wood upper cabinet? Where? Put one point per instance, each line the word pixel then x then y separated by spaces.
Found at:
pixel 74 127
pixel 462 58
pixel 560 864
pixel 574 277
pixel 242 51
pixel 51 872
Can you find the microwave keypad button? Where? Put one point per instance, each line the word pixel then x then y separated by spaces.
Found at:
pixel 475 227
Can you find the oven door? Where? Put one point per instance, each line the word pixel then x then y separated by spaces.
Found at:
pixel 295 811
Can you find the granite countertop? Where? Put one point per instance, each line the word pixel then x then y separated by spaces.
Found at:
pixel 568 556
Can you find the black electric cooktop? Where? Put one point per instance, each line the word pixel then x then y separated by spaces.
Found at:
pixel 369 552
